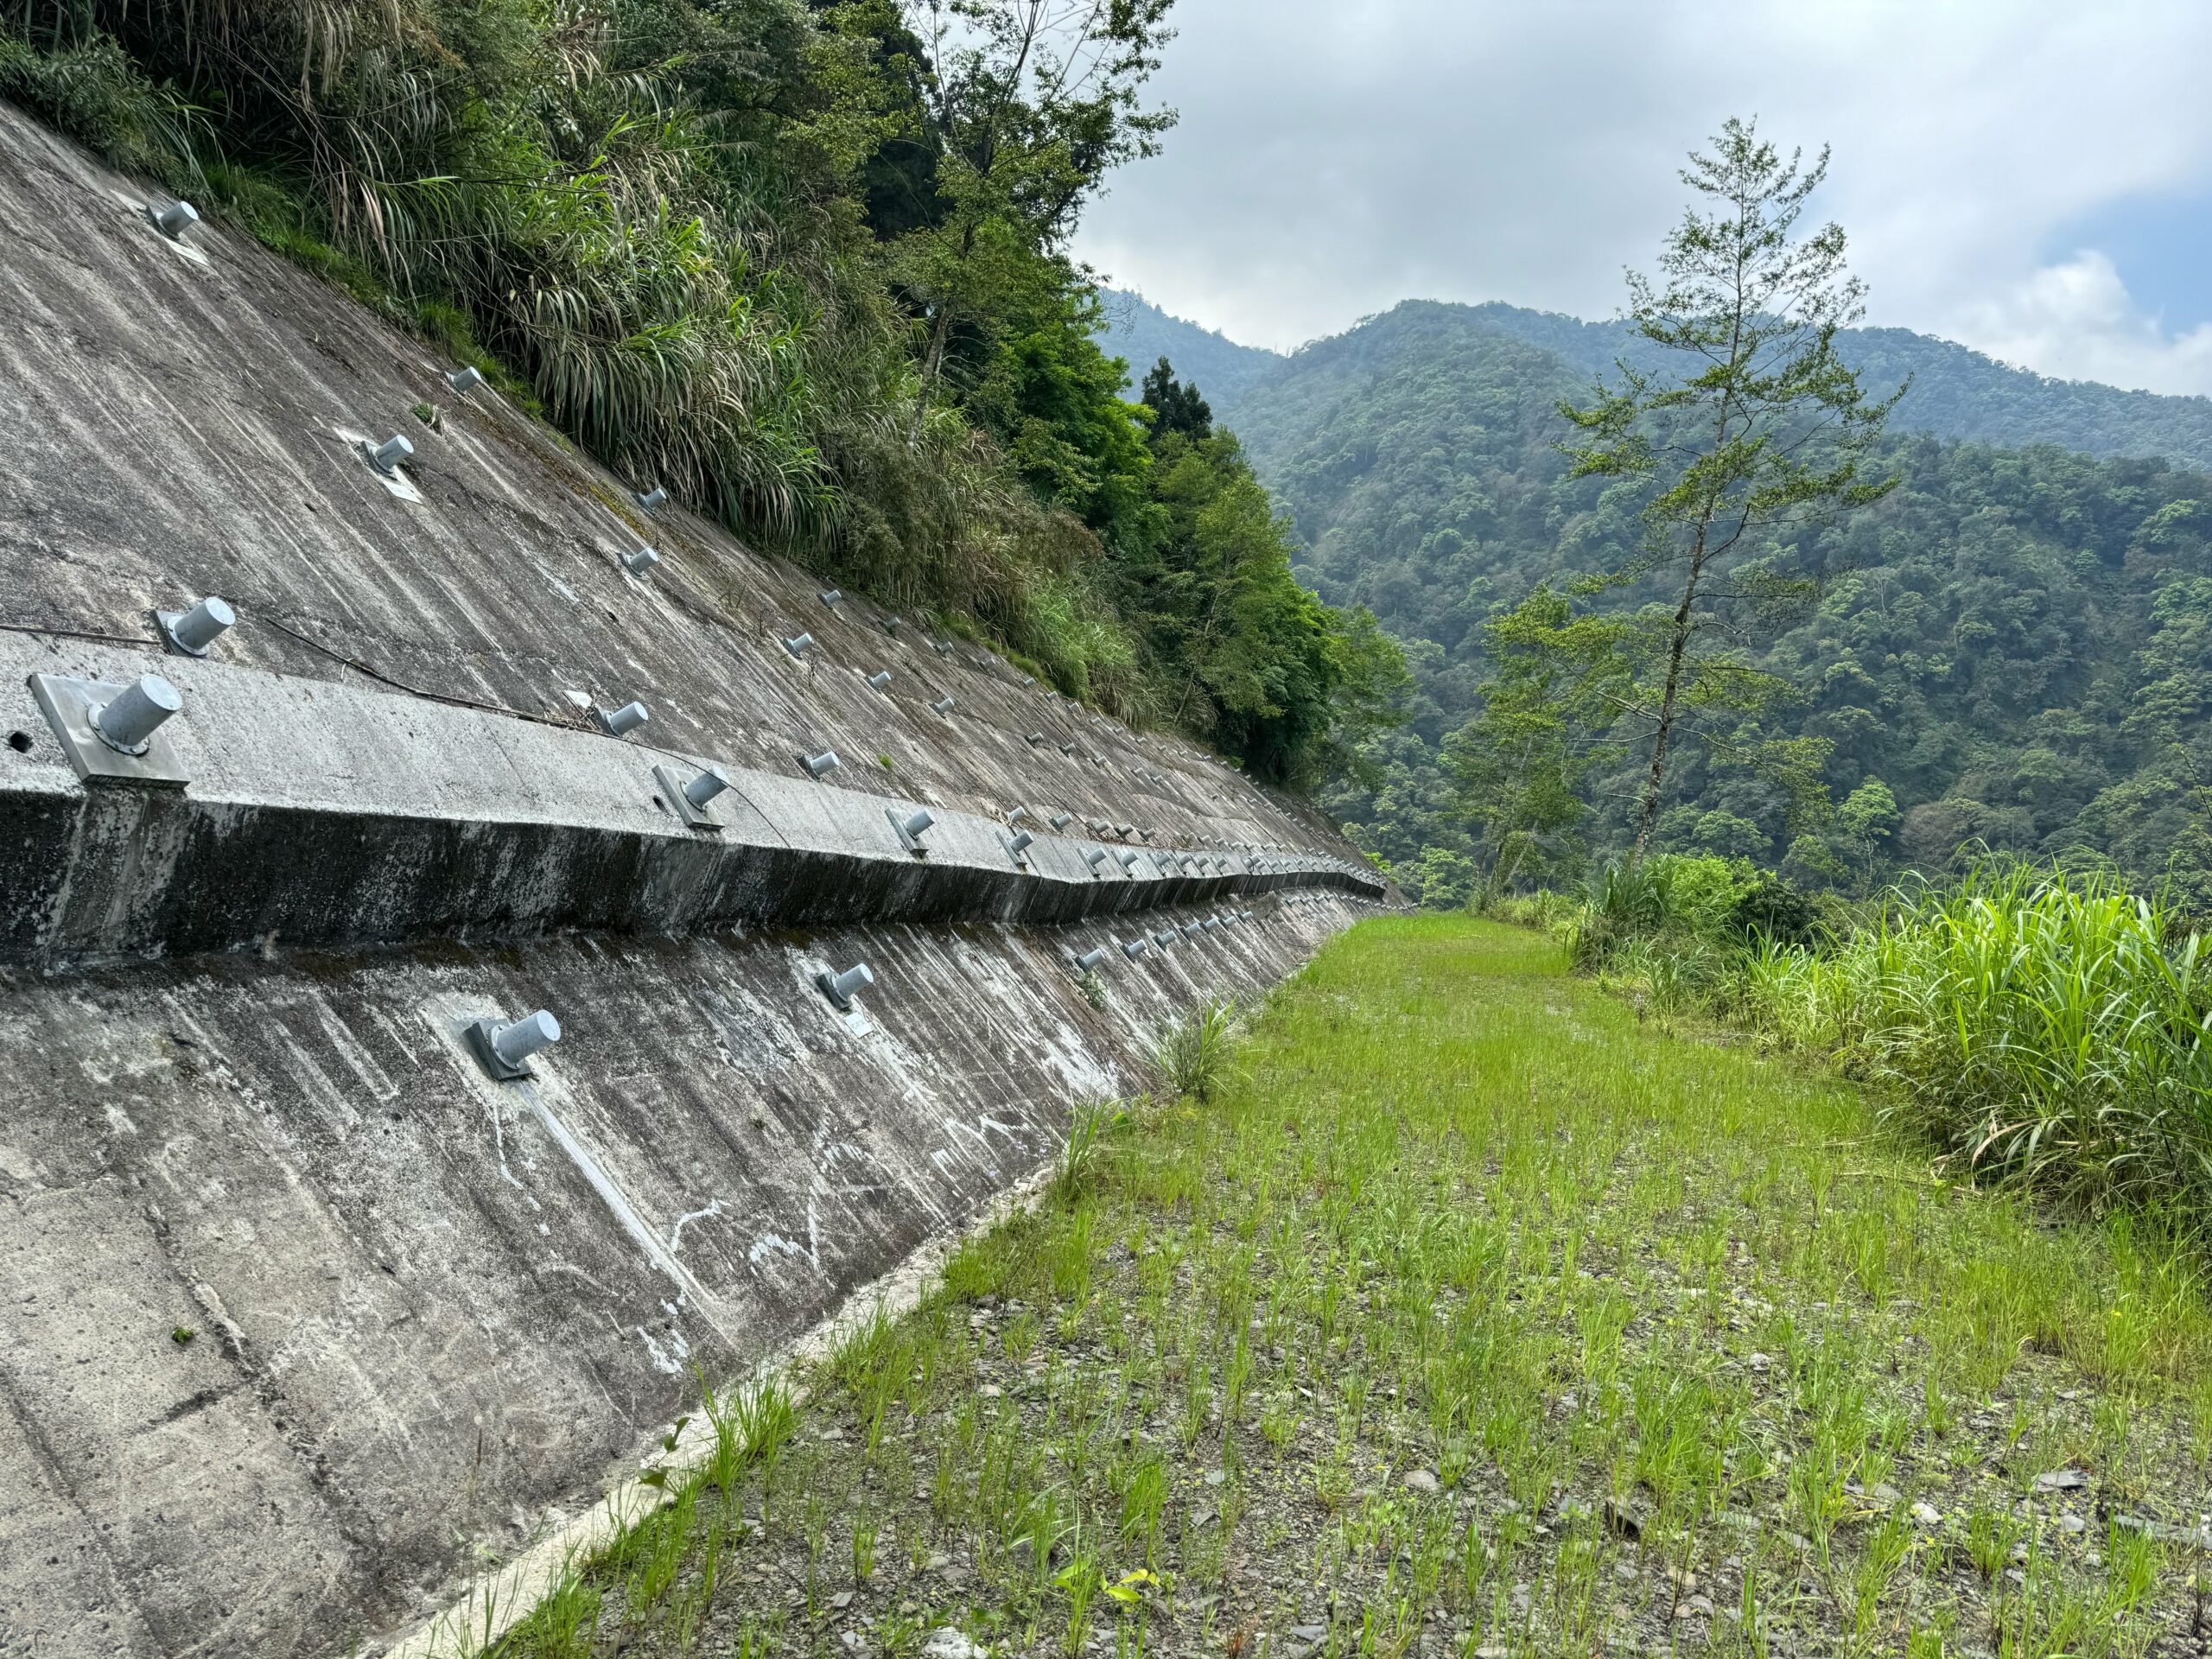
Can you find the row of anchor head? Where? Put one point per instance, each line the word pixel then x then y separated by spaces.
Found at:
pixel 505 1047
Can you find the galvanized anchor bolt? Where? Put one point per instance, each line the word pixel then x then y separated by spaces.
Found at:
pixel 1124 830
pixel 643 560
pixel 503 1050
pixel 464 379
pixel 127 723
pixel 817 764
pixel 841 988
pixel 1021 841
pixel 1095 857
pixel 1098 826
pixel 387 456
pixel 880 680
pixel 1134 948
pixel 1061 820
pixel 1036 737
pixel 830 596
pixel 1089 959
pixel 910 827
pixel 192 631
pixel 1067 748
pixel 177 218
pixel 1128 862
pixel 517 1040
pixel 1015 814
pixel 942 705
pixel 617 721
pixel 1190 930
pixel 703 788
pixel 653 500
pixel 799 644
pixel 1163 940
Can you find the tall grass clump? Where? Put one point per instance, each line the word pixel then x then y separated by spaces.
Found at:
pixel 1090 1124
pixel 1193 1052
pixel 2044 1026
pixel 86 85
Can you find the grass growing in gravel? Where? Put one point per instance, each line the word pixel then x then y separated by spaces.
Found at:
pixel 1471 1315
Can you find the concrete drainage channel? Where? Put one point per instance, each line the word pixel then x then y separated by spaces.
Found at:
pixel 477 944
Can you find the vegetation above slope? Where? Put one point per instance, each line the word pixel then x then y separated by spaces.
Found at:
pixel 803 264
pixel 1458 1310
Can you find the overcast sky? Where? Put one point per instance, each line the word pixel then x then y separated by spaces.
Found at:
pixel 2033 179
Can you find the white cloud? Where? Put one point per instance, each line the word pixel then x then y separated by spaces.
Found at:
pixel 2075 320
pixel 1337 155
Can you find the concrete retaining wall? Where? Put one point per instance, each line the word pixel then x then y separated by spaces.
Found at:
pixel 435 1308
pixel 434 1313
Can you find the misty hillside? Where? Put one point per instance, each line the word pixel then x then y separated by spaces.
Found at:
pixel 1141 334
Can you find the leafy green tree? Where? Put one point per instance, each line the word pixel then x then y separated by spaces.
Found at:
pixel 1175 407
pixel 1028 104
pixel 1767 428
pixel 1867 818
pixel 1729 836
pixel 1053 399
pixel 1520 763
pixel 1220 600
pixel 1370 685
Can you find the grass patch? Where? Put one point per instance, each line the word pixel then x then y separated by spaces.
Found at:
pixel 1473 1315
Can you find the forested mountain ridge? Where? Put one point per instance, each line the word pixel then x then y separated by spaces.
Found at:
pixel 1141 333
pixel 1958 392
pixel 2012 643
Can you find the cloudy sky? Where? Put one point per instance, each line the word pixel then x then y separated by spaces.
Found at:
pixel 2033 179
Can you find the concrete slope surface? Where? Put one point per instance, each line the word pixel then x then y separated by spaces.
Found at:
pixel 308 1301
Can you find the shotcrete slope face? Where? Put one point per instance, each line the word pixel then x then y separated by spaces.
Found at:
pixel 306 1297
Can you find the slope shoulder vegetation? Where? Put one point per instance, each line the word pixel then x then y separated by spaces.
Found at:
pixel 804 264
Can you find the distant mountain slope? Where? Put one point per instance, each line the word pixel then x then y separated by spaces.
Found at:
pixel 1957 392
pixel 1141 334
pixel 2015 643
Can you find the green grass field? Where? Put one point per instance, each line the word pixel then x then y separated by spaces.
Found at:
pixel 1466 1312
